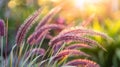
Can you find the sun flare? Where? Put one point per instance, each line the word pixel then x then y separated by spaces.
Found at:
pixel 83 3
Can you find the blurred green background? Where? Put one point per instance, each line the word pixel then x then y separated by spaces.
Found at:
pixel 107 20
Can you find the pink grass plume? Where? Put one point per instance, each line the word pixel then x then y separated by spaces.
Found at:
pixel 71 52
pixel 77 46
pixel 25 27
pixel 83 63
pixel 2 28
pixel 36 37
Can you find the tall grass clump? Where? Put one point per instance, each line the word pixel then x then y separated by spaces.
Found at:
pixel 63 48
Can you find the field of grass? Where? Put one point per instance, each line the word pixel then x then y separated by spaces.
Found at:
pixel 59 33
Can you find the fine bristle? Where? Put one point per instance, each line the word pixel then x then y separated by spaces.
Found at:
pixel 82 31
pixel 36 37
pixel 82 62
pixel 2 28
pixel 76 46
pixel 48 17
pixel 74 38
pixel 72 52
pixel 25 27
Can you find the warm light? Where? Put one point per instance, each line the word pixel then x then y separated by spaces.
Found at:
pixel 54 0
pixel 79 3
pixel 12 4
pixel 83 3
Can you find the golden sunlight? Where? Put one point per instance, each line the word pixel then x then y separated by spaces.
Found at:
pixel 83 3
pixel 79 3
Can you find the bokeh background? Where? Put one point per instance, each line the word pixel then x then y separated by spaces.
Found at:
pixel 107 19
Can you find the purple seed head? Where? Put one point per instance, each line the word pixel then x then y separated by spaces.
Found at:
pixel 2 28
pixel 48 17
pixel 70 37
pixel 68 52
pixel 82 31
pixel 82 62
pixel 37 36
pixel 76 46
pixel 50 27
pixel 73 38
pixel 34 38
pixel 25 27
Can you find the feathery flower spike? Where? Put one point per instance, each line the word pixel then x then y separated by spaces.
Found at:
pixel 82 62
pixel 68 52
pixel 71 37
pixel 24 28
pixel 48 17
pixel 82 31
pixel 2 28
pixel 76 46
pixel 36 37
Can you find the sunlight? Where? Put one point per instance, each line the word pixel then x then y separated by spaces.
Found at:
pixel 79 3
pixel 82 3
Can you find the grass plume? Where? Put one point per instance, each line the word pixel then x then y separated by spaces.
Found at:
pixel 83 63
pixel 25 27
pixel 57 47
pixel 76 46
pixel 63 53
pixel 36 37
pixel 2 28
